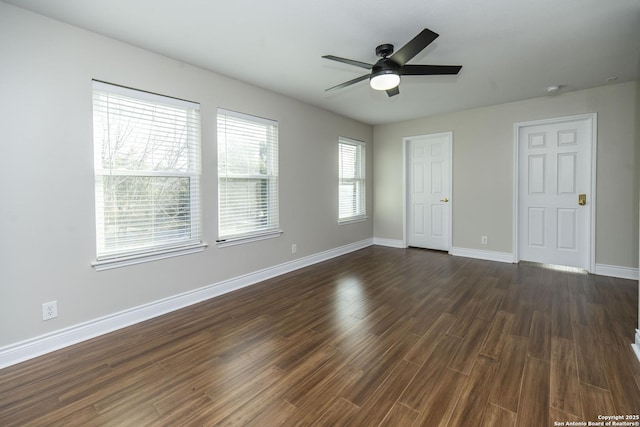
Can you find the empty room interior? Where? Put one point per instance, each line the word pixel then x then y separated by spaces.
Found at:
pixel 336 213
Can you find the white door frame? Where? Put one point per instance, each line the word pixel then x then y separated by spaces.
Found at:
pixel 405 187
pixel 591 239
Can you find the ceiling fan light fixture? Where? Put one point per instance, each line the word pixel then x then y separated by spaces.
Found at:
pixel 384 80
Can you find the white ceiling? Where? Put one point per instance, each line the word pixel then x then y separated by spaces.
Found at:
pixel 509 49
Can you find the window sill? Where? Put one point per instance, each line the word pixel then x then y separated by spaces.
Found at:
pixel 352 220
pixel 233 241
pixel 109 264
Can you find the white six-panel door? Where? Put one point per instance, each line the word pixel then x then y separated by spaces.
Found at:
pixel 554 170
pixel 429 191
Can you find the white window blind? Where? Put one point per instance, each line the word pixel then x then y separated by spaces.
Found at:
pixel 352 184
pixel 247 175
pixel 147 172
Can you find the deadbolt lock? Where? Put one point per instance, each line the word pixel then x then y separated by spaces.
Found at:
pixel 582 199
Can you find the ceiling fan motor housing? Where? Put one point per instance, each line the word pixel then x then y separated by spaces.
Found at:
pixel 385 66
pixel 384 50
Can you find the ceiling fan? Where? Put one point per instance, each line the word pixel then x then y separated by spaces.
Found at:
pixel 385 74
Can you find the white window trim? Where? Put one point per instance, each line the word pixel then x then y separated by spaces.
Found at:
pixel 254 236
pixel 234 241
pixel 134 257
pixel 144 95
pixel 361 217
pixel 353 219
pixel 142 258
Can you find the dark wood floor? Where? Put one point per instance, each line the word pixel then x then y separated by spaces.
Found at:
pixel 381 336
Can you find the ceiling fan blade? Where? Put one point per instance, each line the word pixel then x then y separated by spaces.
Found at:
pixel 414 47
pixel 349 83
pixel 429 70
pixel 349 61
pixel 393 92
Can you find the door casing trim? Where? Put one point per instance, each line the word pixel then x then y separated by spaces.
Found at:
pixel 593 118
pixel 405 178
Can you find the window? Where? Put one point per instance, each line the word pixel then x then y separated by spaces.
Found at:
pixel 247 176
pixel 352 184
pixel 147 172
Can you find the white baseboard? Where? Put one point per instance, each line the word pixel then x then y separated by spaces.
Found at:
pixel 28 349
pixel 480 254
pixel 464 252
pixel 636 345
pixel 617 271
pixel 392 243
pixel 601 269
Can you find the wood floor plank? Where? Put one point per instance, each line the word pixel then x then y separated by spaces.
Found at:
pixel 20 404
pixel 381 401
pixel 369 338
pixel 466 319
pixel 272 398
pixel 505 390
pixel 601 325
pixel 129 383
pixel 338 414
pixel 458 294
pixel 444 385
pixel 275 415
pixel 430 374
pixel 511 300
pixel 210 378
pixel 522 319
pixel 556 416
pixel 590 366
pixel 560 314
pixel 564 381
pixel 578 305
pixel 182 414
pixel 465 358
pixel 438 405
pixel 496 338
pixel 231 396
pixel 424 319
pixel 534 397
pixel 378 346
pixel 619 371
pixel 495 416
pixel 299 391
pixel 475 395
pixel 596 401
pixel 377 372
pixel 299 350
pixel 323 397
pixel 128 414
pixel 540 335
pixel 491 302
pixel 544 292
pixel 399 415
pixel 427 343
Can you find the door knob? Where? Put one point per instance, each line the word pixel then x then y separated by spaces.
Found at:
pixel 582 199
pixel 444 200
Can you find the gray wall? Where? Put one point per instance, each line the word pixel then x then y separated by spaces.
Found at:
pixel 483 150
pixel 47 225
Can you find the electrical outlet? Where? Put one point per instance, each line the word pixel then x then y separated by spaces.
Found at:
pixel 484 240
pixel 294 248
pixel 49 310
